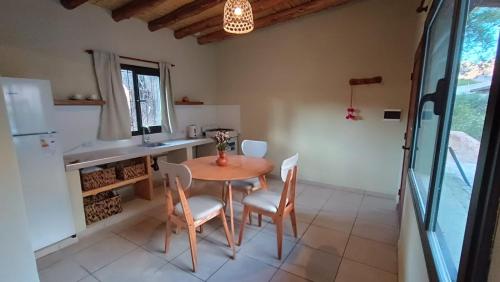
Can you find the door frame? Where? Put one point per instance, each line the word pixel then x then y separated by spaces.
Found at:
pixel 410 123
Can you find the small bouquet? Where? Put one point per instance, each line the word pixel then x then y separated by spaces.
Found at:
pixel 221 137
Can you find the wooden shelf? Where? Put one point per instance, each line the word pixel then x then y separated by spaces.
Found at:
pixel 188 103
pixel 115 185
pixel 79 102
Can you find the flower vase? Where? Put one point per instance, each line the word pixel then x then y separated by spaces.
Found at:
pixel 221 160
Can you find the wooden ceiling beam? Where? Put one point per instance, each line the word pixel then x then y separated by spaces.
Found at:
pixel 71 4
pixel 282 16
pixel 133 8
pixel 216 21
pixel 183 12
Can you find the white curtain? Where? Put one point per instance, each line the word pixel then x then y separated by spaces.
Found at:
pixel 115 117
pixel 168 119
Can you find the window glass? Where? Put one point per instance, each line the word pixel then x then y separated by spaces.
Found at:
pixel 468 115
pixel 128 85
pixel 427 124
pixel 149 94
pixel 142 88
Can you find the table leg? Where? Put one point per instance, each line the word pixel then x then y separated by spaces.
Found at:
pixel 231 214
pixel 263 182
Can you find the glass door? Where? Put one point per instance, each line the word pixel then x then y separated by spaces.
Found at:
pixel 460 55
pixel 433 89
pixel 465 118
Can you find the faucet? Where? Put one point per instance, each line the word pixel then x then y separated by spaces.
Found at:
pixel 145 137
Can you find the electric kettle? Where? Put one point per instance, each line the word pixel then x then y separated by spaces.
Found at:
pixel 193 131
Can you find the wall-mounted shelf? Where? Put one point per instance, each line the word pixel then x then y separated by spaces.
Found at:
pixel 188 103
pixel 79 102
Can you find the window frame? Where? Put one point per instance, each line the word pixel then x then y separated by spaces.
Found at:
pixel 140 70
pixel 485 199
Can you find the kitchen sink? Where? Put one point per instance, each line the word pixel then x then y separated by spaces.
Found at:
pixel 155 144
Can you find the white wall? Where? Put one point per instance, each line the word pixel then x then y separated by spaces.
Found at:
pixel 78 125
pixel 41 39
pixel 291 81
pixel 17 261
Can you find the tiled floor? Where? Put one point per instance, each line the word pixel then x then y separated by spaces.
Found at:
pixel 343 236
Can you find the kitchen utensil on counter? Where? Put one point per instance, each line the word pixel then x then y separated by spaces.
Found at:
pixel 194 131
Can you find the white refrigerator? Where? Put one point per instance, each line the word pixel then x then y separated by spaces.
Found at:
pixel 30 109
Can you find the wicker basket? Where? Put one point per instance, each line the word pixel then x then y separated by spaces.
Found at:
pixel 131 170
pixel 101 206
pixel 97 179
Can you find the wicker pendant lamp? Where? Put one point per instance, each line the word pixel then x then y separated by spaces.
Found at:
pixel 238 17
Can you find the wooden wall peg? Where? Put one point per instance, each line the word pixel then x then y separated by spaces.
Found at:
pixel 361 81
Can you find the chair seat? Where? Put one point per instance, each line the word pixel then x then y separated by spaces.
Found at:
pixel 246 185
pixel 201 206
pixel 264 200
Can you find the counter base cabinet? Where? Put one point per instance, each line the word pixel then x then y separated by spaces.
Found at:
pixel 143 187
pixel 76 196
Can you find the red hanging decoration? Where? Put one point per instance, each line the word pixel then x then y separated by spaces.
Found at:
pixel 351 112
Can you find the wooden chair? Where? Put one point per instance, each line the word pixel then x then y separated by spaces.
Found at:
pixel 274 205
pixel 189 212
pixel 251 148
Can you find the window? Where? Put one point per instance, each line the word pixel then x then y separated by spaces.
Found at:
pixel 142 87
pixel 462 41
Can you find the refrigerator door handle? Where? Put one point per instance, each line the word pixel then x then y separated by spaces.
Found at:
pixel 37 133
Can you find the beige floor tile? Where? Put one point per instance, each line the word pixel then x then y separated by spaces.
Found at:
pixel 340 220
pixel 345 198
pixel 301 229
pixel 351 271
pixel 244 269
pixel 376 254
pixel 283 276
pixel 264 247
pixel 63 271
pixel 141 232
pixel 218 237
pixel 179 244
pixel 378 232
pixel 306 213
pixel 159 213
pixel 210 258
pixel 89 278
pixel 49 260
pixel 378 216
pixel 87 241
pixel 325 239
pixel 312 264
pixel 103 252
pixel 315 197
pixel 171 273
pixel 134 266
pixel 379 203
pixel 210 227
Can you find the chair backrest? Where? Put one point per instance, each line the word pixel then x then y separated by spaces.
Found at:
pixel 287 165
pixel 179 178
pixel 254 148
pixel 174 171
pixel 289 177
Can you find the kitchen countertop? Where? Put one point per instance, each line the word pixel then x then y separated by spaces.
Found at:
pixel 94 158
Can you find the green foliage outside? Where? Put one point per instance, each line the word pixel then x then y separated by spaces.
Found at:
pixel 481 34
pixel 469 113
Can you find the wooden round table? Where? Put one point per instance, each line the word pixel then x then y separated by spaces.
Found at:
pixel 238 168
